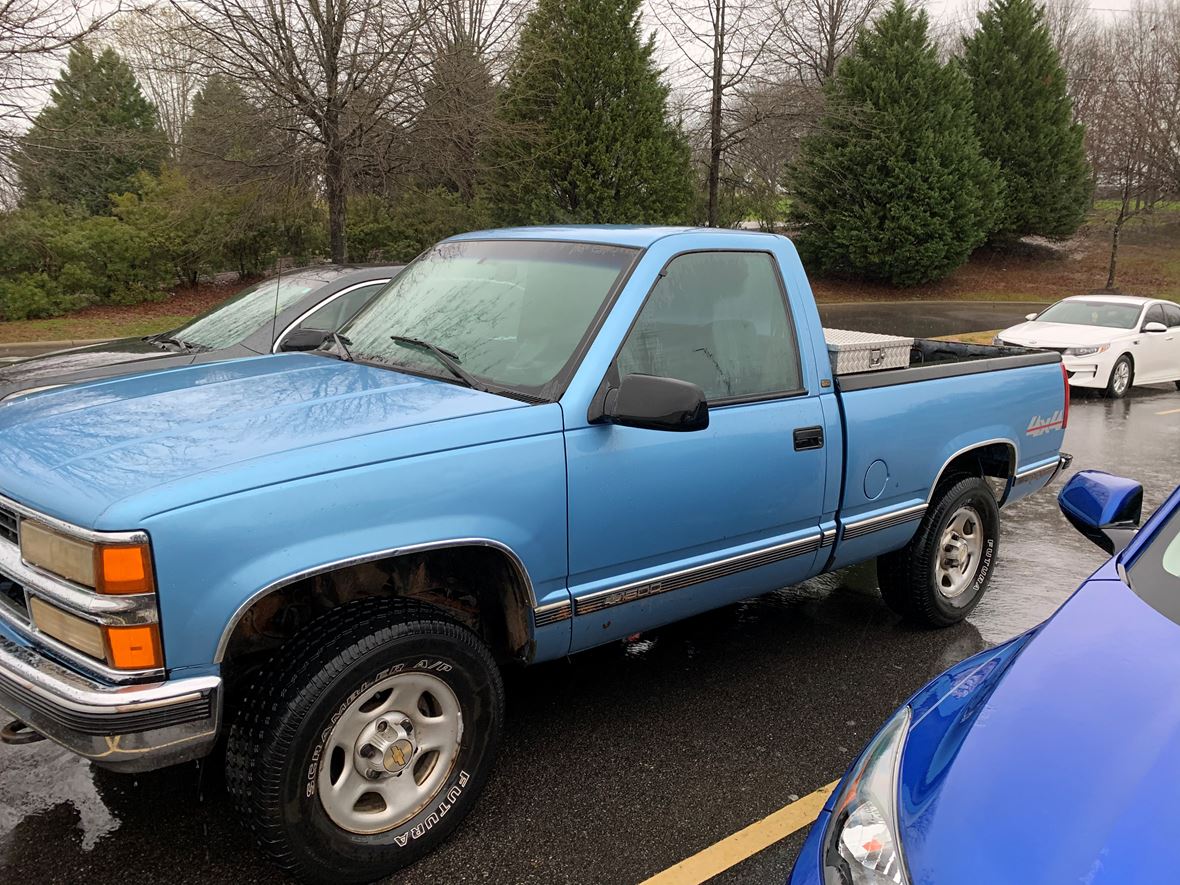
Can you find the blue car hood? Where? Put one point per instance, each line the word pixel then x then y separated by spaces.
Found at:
pixel 76 451
pixel 1062 765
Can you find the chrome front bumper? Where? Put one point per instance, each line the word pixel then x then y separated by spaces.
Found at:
pixel 123 727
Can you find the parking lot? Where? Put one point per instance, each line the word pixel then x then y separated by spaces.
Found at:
pixel 623 761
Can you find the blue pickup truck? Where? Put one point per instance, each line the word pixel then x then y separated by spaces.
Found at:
pixel 533 442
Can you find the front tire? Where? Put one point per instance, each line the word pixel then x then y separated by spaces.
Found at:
pixel 939 577
pixel 366 741
pixel 1122 376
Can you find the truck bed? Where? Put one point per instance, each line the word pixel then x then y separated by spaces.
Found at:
pixel 930 359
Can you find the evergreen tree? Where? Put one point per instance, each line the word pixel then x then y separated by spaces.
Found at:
pixel 226 140
pixel 93 137
pixel 585 130
pixel 1026 122
pixel 893 186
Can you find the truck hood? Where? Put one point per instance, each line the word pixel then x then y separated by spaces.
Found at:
pixel 1060 335
pixel 1066 770
pixel 73 452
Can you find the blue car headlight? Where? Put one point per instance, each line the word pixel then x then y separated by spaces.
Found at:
pixel 862 843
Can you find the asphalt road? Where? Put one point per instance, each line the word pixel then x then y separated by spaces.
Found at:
pixel 622 761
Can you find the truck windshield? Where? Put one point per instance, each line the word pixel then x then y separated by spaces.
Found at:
pixel 511 312
pixel 1092 313
pixel 1155 574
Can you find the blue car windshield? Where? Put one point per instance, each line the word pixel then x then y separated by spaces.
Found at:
pixel 1155 574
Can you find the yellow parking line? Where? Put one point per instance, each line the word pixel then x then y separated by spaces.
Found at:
pixel 732 850
pixel 1169 412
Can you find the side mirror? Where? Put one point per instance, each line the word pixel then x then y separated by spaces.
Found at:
pixel 1154 328
pixel 1030 316
pixel 1103 507
pixel 655 403
pixel 303 339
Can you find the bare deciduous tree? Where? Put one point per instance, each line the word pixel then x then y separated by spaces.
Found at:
pixel 340 68
pixel 167 58
pixel 1139 116
pixel 724 47
pixel 816 34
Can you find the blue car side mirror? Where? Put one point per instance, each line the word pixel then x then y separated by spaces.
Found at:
pixel 1103 507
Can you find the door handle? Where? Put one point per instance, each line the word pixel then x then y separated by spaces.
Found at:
pixel 808 438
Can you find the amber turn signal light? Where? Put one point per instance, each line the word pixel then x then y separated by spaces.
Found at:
pixel 134 648
pixel 123 570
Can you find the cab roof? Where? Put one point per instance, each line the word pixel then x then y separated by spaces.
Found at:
pixel 635 236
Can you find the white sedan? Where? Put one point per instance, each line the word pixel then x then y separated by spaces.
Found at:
pixel 1108 342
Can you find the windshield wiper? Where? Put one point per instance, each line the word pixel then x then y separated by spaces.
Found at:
pixel 341 342
pixel 447 358
pixel 166 340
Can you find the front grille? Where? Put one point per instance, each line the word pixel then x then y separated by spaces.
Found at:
pixel 7 525
pixel 12 599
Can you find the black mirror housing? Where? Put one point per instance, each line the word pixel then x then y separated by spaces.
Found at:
pixel 654 403
pixel 303 339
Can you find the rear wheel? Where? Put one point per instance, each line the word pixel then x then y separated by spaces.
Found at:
pixel 366 741
pixel 1122 376
pixel 940 576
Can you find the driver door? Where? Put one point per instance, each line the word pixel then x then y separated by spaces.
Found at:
pixel 663 525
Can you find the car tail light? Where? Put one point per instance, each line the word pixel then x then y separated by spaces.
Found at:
pixel 1065 413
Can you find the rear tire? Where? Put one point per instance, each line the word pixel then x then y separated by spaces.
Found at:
pixel 939 577
pixel 321 762
pixel 1122 376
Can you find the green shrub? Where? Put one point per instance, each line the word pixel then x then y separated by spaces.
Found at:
pixel 34 296
pixel 381 231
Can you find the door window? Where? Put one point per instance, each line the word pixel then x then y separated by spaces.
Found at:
pixel 1155 314
pixel 719 320
pixel 1172 315
pixel 332 315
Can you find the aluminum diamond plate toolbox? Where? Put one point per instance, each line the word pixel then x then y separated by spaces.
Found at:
pixel 866 351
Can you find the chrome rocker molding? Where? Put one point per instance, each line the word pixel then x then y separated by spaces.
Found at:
pixel 863 527
pixel 223 642
pixel 553 613
pixel 127 728
pixel 678 580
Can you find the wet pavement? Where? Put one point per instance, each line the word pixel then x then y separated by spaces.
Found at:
pixel 622 761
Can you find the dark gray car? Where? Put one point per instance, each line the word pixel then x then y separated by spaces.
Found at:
pixel 311 303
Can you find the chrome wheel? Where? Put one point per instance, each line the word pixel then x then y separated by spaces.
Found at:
pixel 390 752
pixel 1121 379
pixel 959 552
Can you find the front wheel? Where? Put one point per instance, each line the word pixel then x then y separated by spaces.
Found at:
pixel 1122 376
pixel 366 741
pixel 940 576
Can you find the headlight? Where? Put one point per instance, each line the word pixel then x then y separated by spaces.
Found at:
pixel 110 568
pixel 1086 351
pixel 863 847
pixel 106 568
